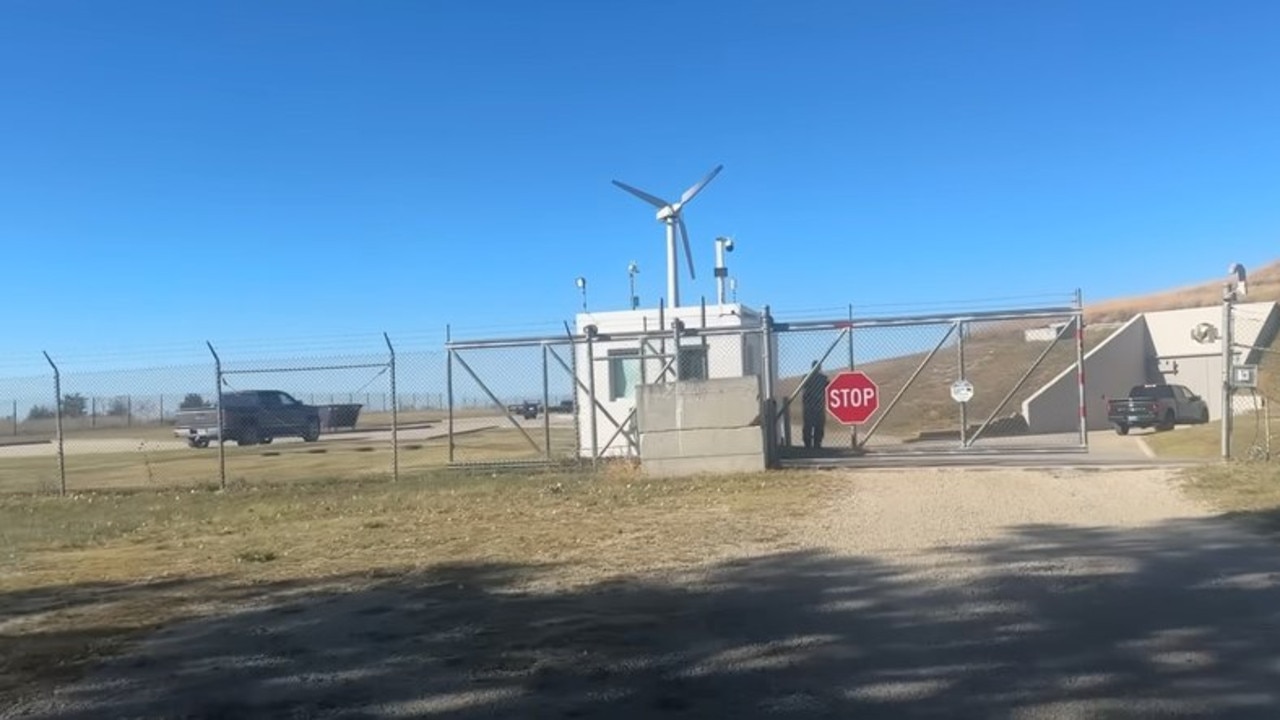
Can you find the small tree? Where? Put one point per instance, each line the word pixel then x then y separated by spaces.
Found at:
pixel 40 412
pixel 118 406
pixel 193 401
pixel 74 405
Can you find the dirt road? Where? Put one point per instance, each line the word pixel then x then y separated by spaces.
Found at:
pixel 941 593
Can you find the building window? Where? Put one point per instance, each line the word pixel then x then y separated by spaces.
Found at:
pixel 693 362
pixel 624 373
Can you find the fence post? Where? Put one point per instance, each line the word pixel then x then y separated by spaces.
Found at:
pixel 546 404
pixel 770 419
pixel 1228 294
pixel 57 413
pixel 93 411
pixel 128 411
pixel 591 393
pixel 964 406
pixel 448 379
pixel 395 414
pixel 853 429
pixel 1084 407
pixel 222 445
pixel 15 418
pixel 161 408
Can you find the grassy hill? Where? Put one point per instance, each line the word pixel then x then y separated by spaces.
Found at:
pixel 1264 284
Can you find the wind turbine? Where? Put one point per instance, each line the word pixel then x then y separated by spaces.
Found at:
pixel 669 213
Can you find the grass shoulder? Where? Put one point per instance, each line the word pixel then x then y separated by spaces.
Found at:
pixel 1249 492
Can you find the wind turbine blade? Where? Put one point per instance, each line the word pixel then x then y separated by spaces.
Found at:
pixel 688 254
pixel 688 194
pixel 651 199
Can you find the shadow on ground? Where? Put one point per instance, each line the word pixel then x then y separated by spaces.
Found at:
pixel 1050 621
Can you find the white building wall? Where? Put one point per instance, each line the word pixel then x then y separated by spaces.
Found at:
pixel 727 356
pixel 1143 350
pixel 1111 368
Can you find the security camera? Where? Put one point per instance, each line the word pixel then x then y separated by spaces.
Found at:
pixel 728 245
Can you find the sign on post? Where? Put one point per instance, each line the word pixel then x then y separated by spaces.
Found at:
pixel 852 397
pixel 962 391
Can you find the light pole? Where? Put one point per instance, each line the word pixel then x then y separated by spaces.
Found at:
pixel 581 282
pixel 632 270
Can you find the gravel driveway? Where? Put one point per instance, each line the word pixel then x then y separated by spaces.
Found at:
pixel 940 593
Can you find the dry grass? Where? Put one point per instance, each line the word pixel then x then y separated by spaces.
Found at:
pixel 1264 284
pixel 1247 491
pixel 67 562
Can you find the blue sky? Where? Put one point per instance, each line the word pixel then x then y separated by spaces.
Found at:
pixel 308 174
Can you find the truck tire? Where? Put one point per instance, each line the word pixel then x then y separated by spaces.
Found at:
pixel 312 433
pixel 248 436
pixel 198 442
pixel 1122 429
pixel 1170 420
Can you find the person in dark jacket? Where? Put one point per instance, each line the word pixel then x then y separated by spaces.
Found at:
pixel 813 399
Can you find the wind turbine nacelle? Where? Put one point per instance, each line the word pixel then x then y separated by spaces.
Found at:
pixel 668 212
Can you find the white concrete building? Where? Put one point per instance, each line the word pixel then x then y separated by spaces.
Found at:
pixel 1154 347
pixel 633 348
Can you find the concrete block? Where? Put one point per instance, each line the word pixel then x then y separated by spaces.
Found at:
pixel 725 464
pixel 692 405
pixel 701 443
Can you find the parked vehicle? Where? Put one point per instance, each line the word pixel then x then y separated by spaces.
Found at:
pixel 527 410
pixel 1157 405
pixel 250 417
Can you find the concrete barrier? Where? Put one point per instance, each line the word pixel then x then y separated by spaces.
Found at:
pixel 705 426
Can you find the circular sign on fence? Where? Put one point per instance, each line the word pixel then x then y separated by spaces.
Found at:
pixel 962 391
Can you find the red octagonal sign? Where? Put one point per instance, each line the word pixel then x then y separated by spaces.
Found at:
pixel 852 397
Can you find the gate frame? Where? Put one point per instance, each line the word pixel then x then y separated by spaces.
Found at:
pixel 1073 314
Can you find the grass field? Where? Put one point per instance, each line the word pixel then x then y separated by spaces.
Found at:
pixel 83 575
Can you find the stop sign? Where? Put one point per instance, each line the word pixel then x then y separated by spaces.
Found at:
pixel 852 397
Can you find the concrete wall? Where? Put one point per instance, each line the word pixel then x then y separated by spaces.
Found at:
pixel 1111 368
pixel 709 426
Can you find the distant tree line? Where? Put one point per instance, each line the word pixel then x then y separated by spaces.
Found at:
pixel 75 405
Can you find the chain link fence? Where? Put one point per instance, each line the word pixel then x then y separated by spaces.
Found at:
pixel 1257 382
pixel 510 403
pixel 343 416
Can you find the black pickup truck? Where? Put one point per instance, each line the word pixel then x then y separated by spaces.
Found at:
pixel 250 417
pixel 1158 406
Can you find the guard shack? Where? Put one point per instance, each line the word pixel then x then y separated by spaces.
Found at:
pixel 628 349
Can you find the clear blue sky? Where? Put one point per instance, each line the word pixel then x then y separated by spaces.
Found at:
pixel 235 171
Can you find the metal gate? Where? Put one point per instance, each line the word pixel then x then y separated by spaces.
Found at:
pixel 1008 381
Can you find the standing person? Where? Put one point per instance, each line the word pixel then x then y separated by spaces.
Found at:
pixel 815 407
